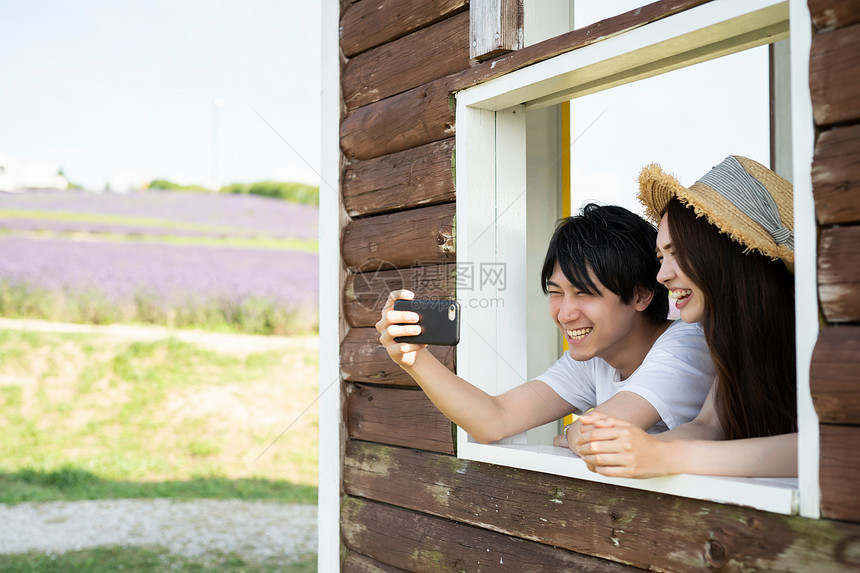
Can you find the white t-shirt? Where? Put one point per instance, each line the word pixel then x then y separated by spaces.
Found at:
pixel 675 377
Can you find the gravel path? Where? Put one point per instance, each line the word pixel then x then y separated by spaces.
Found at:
pixel 254 530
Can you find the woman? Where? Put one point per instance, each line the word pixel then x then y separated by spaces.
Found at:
pixel 726 251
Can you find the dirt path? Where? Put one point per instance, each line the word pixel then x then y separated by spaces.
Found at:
pixel 220 342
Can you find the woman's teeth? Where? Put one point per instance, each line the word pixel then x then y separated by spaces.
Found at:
pixel 680 293
pixel 579 333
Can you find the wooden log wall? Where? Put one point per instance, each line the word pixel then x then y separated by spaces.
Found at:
pixel 408 503
pixel 422 511
pixel 397 186
pixel 835 372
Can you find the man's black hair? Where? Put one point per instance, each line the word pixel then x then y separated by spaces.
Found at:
pixel 618 246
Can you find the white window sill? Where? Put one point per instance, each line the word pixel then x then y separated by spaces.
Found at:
pixel 777 495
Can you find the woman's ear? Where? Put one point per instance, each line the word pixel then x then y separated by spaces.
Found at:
pixel 642 299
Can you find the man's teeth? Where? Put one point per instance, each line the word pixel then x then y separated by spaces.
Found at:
pixel 680 293
pixel 578 333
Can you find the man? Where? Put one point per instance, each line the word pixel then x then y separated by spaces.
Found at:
pixel 624 358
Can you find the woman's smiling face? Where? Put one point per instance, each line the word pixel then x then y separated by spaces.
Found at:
pixel 686 294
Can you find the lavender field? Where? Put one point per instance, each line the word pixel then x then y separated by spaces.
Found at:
pixel 104 258
pixel 238 215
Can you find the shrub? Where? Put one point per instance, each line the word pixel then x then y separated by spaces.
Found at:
pixel 165 185
pixel 293 192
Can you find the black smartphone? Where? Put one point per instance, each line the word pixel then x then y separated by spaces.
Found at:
pixel 439 322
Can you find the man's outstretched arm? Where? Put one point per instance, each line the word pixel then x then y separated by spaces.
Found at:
pixel 486 418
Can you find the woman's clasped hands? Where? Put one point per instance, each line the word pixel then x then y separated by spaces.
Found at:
pixel 616 448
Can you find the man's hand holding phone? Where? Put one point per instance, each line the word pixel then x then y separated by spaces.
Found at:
pixel 408 325
pixel 399 323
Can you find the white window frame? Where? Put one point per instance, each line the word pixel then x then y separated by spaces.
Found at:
pixel 331 219
pixel 492 225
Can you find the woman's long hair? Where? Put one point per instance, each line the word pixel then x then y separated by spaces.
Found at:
pixel 748 322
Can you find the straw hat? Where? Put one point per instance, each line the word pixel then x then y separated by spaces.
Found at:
pixel 742 198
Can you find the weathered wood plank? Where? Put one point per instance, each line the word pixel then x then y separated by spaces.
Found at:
pixel 832 14
pixel 839 472
pixel 424 114
pixel 419 542
pixel 364 294
pixel 407 63
pixel 834 88
pixel 648 530
pixel 398 416
pixel 420 176
pixel 839 274
pixel 416 117
pixel 371 23
pixel 836 175
pixel 409 238
pixel 495 27
pixel 835 375
pixel 364 359
pixel 357 563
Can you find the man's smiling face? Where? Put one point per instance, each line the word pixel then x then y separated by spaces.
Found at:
pixel 595 324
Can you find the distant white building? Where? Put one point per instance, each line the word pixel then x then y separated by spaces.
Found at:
pixel 20 176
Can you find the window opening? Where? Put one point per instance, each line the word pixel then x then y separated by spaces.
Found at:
pixel 495 150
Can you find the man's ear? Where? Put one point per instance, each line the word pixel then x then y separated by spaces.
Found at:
pixel 642 298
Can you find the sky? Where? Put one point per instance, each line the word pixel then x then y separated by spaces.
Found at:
pixel 121 92
pixel 687 121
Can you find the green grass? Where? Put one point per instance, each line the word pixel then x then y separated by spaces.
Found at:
pixel 253 315
pixel 34 214
pixel 271 243
pixel 143 560
pixel 83 416
pixel 71 483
